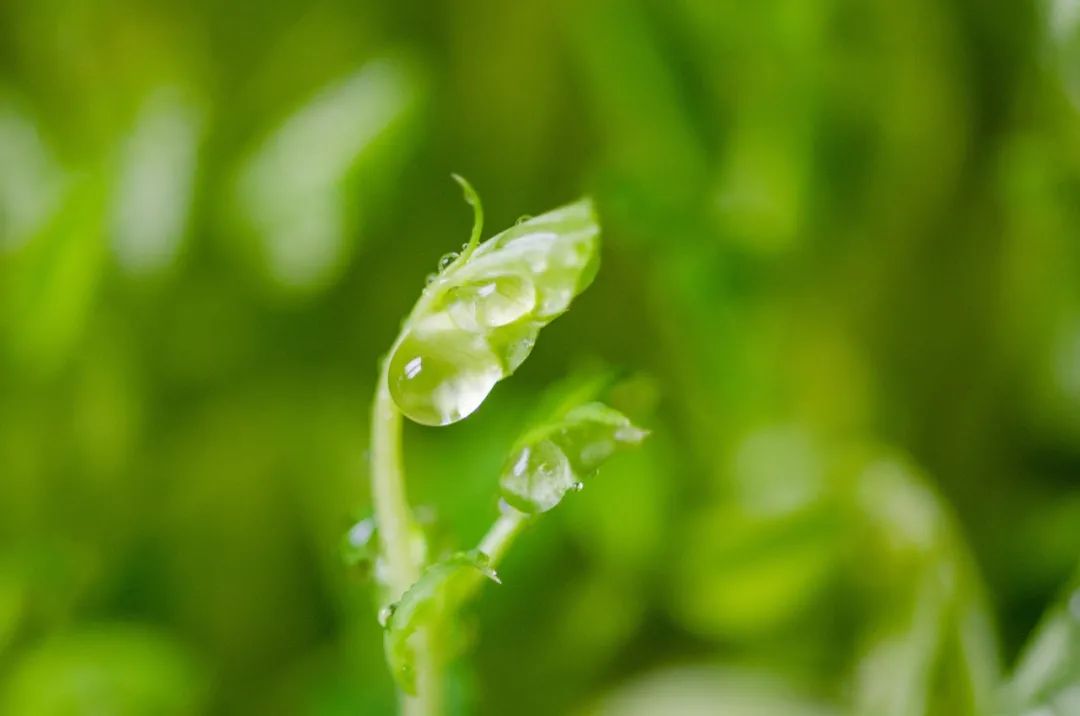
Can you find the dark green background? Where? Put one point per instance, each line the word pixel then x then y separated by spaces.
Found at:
pixel 841 266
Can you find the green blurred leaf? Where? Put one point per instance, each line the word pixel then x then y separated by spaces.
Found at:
pixel 1047 678
pixel 116 670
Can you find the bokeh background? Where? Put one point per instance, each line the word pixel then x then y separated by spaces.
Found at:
pixel 841 274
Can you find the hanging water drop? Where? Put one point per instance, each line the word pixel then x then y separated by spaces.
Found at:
pixel 385 614
pixel 440 377
pixel 578 486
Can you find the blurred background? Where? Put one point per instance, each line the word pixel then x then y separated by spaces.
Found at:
pixel 841 266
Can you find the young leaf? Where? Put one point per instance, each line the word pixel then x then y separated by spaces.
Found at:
pixel 553 459
pixel 436 590
pixel 477 321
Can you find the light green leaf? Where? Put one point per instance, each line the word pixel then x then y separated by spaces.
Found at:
pixel 554 458
pixel 437 589
pixel 478 319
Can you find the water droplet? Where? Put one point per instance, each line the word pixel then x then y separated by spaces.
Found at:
pixel 385 614
pixel 491 303
pixel 358 545
pixel 523 218
pixel 578 486
pixel 361 533
pixel 430 279
pixel 446 259
pixel 539 476
pixel 441 377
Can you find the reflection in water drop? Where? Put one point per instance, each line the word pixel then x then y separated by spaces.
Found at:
pixel 384 615
pixel 440 377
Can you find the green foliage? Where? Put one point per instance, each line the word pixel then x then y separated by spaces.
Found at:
pixel 112 669
pixel 475 323
pixel 436 592
pixel 826 226
pixel 1047 676
pixel 478 318
pixel 555 458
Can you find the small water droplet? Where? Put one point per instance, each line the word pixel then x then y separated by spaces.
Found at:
pixel 441 377
pixel 523 218
pixel 578 486
pixel 430 279
pixel 385 615
pixel 446 259
pixel 540 475
pixel 361 533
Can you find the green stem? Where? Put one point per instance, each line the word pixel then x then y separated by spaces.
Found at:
pixel 494 544
pixel 502 534
pixel 400 541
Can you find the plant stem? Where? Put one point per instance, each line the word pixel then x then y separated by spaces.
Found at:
pixel 397 530
pixel 400 543
pixel 494 544
pixel 501 535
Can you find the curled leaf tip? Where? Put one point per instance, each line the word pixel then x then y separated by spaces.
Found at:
pixel 473 200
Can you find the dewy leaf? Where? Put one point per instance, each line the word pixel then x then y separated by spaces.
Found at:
pixel 553 459
pixel 477 321
pixel 434 591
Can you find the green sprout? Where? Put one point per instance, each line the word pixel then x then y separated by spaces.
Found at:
pixel 474 324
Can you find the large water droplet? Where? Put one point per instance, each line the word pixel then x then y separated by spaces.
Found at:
pixel 491 303
pixel 440 377
pixel 539 476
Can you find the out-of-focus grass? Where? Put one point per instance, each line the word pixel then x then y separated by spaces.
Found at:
pixel 841 255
